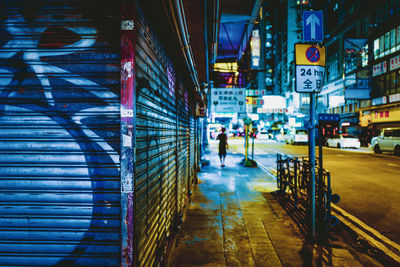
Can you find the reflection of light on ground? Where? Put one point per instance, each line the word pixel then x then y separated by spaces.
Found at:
pixel 228 183
pixel 263 187
pixel 232 183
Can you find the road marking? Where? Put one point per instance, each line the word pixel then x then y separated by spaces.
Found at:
pixel 354 222
pixel 266 169
pixel 340 156
pixel 393 164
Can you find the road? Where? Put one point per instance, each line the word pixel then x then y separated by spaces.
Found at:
pixel 368 184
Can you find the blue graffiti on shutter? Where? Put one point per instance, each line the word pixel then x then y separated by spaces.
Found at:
pixel 59 140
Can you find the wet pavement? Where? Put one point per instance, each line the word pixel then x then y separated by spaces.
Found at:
pixel 236 219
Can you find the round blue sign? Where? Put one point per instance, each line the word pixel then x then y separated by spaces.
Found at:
pixel 312 54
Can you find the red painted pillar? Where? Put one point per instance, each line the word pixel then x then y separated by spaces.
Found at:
pixel 128 115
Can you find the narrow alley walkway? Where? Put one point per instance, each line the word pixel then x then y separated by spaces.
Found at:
pixel 235 220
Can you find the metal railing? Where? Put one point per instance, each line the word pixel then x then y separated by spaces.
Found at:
pixel 294 180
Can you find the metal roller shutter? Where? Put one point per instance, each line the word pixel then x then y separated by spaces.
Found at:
pixel 183 146
pixel 156 137
pixel 59 134
pixel 198 144
pixel 192 155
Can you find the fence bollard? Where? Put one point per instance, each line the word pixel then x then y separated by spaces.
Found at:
pixel 278 169
pixel 295 182
pixel 296 174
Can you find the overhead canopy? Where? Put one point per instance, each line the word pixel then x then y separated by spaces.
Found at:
pixel 237 20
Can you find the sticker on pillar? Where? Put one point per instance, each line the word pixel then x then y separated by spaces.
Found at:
pixel 127 184
pixel 127 140
pixel 127 25
pixel 126 112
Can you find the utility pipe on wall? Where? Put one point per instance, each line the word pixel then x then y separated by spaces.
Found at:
pixel 183 35
pixel 216 30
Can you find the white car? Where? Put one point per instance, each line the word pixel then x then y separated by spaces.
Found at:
pixel 343 140
pixel 297 136
pixel 263 135
pixel 388 140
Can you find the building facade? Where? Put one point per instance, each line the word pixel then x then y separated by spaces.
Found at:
pixel 362 81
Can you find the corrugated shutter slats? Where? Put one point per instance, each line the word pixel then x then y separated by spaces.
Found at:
pixel 155 182
pixel 59 136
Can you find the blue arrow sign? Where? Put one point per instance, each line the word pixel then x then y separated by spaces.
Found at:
pixel 313 26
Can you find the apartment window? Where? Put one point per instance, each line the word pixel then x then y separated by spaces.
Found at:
pixel 387 43
pixel 332 68
pixel 382 45
pixel 376 48
pixel 393 41
pixel 398 35
pixel 364 56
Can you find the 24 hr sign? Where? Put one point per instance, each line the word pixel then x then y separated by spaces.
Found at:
pixel 309 78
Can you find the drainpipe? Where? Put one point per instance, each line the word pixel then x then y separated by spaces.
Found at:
pixel 206 43
pixel 183 35
pixel 216 30
pixel 207 86
pixel 262 72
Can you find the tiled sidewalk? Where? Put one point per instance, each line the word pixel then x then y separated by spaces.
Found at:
pixel 235 220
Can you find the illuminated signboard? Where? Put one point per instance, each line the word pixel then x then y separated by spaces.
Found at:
pixel 255 49
pixel 379 69
pixel 228 100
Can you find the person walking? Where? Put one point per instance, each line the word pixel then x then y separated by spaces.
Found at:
pixel 223 146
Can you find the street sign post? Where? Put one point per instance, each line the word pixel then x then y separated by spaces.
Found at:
pixel 246 161
pixel 313 26
pixel 310 71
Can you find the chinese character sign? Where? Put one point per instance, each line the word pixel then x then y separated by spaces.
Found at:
pixel 228 100
pixel 394 63
pixel 379 69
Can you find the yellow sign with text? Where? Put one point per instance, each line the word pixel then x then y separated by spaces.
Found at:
pixel 310 55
